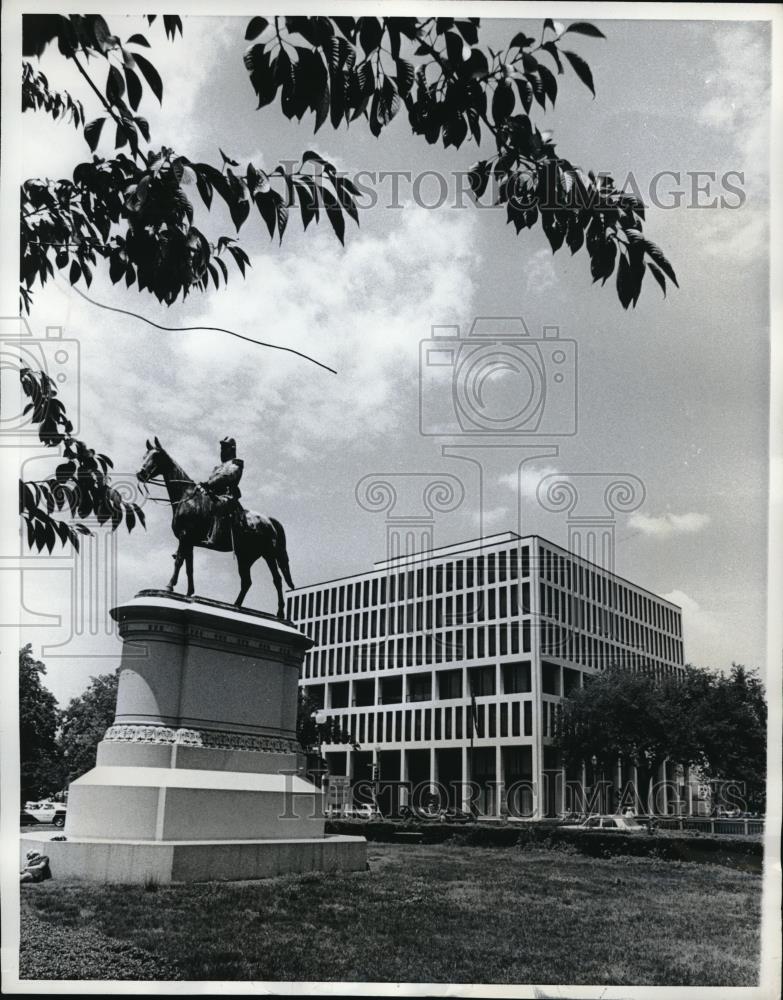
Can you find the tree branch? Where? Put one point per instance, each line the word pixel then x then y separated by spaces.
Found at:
pixel 120 124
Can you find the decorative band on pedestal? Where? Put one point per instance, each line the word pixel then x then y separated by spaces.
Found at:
pixel 208 739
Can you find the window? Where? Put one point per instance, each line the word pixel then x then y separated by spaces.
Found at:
pixel 481 680
pixel 419 687
pixel 391 690
pixel 516 677
pixel 449 684
pixel 338 695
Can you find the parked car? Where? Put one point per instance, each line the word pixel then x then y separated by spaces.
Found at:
pixel 364 811
pixel 457 816
pixel 44 812
pixel 625 824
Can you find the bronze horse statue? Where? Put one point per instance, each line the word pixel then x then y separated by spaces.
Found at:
pixel 253 535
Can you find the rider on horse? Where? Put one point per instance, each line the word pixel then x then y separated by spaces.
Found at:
pixel 222 488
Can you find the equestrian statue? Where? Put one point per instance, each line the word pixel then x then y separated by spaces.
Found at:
pixel 209 515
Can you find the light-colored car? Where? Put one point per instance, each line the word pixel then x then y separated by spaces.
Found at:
pixel 625 824
pixel 365 811
pixel 46 812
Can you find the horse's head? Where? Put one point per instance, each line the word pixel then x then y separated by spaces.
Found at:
pixel 153 462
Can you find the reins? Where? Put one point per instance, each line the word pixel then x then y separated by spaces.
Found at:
pixel 159 481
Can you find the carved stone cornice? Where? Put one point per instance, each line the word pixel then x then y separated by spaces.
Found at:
pixel 207 739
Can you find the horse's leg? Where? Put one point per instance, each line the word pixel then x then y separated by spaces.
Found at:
pixel 244 579
pixel 189 570
pixel 179 557
pixel 272 564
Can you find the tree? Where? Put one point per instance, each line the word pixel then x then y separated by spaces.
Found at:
pixel 732 725
pixel 618 713
pixel 84 724
pixel 713 722
pixel 130 210
pixel 311 734
pixel 133 211
pixel 41 771
pixel 81 484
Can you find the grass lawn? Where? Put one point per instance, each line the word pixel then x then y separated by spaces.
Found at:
pixel 422 913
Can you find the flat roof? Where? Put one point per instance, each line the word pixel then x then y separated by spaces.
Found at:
pixel 472 545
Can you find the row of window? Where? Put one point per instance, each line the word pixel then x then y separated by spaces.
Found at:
pixel 585 614
pixel 606 590
pixel 439 647
pixel 420 616
pixel 470 574
pixel 458 722
pixel 444 685
pixel 570 644
pixel 460 645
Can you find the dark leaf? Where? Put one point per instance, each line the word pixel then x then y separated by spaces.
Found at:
pixel 370 33
pixel 265 202
pixel 581 69
pixel 585 28
pixel 552 49
pixel 658 275
pixel 548 82
pixel 151 75
pixel 657 255
pixel 115 85
pixel 502 101
pixel 134 88
pixel 92 132
pixel 521 41
pixel 227 159
pixel 625 286
pixel 138 40
pixel 255 28
pixel 553 229
pixel 405 76
pixel 335 214
pixel 239 211
pixel 310 155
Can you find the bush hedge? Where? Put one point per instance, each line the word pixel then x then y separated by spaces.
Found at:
pixel 735 853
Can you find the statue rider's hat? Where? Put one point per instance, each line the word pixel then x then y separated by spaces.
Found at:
pixel 228 446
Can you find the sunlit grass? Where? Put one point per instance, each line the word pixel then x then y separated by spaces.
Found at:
pixel 436 913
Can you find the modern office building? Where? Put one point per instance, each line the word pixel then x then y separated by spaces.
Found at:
pixel 448 666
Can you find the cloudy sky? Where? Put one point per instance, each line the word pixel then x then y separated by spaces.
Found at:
pixel 674 392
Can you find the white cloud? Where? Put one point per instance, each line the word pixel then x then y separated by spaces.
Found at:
pixel 361 310
pixel 526 479
pixel 701 628
pixel 491 516
pixel 668 524
pixel 738 109
pixel 52 148
pixel 540 272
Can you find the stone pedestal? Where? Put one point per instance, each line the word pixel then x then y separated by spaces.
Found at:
pixel 197 777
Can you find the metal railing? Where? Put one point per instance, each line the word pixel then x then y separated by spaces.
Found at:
pixel 738 826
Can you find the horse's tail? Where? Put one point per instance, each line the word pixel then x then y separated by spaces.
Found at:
pixel 280 552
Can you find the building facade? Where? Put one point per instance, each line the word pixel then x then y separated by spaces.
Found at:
pixel 448 666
